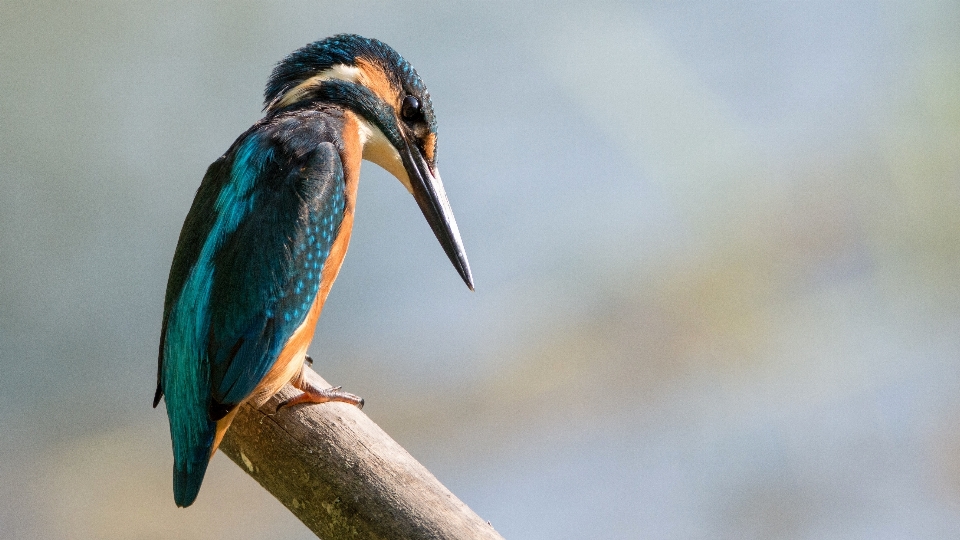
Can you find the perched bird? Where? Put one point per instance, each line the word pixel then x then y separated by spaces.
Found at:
pixel 268 229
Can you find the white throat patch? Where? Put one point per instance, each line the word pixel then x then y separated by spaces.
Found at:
pixel 377 149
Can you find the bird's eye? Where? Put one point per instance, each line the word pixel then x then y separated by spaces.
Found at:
pixel 410 108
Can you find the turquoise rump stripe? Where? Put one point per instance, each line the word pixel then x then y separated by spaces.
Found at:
pixel 186 374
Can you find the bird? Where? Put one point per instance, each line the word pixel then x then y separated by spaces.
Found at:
pixel 266 234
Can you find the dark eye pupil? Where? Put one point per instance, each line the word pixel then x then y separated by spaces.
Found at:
pixel 410 108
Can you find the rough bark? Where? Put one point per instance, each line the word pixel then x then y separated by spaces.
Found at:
pixel 343 476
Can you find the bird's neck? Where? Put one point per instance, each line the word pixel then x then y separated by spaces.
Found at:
pixel 351 154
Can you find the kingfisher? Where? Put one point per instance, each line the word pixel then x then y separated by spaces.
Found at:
pixel 269 227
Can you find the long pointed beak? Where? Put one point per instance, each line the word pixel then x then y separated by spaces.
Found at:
pixel 432 199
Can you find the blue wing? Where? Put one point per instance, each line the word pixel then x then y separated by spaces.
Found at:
pixel 246 271
pixel 268 272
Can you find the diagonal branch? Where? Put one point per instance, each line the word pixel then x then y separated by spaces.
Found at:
pixel 343 476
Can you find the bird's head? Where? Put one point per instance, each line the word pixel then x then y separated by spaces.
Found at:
pixel 398 129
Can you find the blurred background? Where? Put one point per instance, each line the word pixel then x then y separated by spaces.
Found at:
pixel 715 247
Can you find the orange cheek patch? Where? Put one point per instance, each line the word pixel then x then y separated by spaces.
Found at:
pixel 375 79
pixel 430 146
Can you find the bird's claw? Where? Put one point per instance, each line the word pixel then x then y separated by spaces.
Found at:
pixel 311 394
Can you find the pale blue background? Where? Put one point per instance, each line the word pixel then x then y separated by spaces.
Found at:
pixel 715 244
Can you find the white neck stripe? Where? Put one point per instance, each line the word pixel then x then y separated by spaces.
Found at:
pixel 340 71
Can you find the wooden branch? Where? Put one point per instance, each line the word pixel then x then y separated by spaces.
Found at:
pixel 343 476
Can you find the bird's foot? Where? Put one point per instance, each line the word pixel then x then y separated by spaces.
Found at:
pixel 312 394
pixel 308 360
